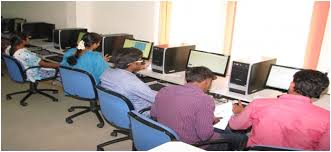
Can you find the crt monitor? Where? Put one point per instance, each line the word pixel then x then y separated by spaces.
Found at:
pixel 217 63
pixel 144 46
pixel 280 77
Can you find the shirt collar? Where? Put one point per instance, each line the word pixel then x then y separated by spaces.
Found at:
pixel 194 87
pixel 296 97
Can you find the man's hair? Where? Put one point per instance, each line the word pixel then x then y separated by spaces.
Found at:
pixel 125 56
pixel 310 83
pixel 198 74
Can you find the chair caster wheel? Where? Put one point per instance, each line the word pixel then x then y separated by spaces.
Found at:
pixel 70 109
pixel 100 149
pixel 8 97
pixel 114 134
pixel 55 92
pixel 55 100
pixel 24 104
pixel 100 125
pixel 69 121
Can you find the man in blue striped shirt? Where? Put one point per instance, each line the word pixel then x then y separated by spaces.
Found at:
pixel 122 79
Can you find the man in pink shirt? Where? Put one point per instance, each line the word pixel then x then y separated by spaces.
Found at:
pixel 290 120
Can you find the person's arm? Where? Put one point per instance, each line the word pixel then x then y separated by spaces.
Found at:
pixel 204 119
pixel 154 108
pixel 241 119
pixel 324 143
pixel 45 64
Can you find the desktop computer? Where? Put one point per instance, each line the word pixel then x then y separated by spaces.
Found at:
pixel 169 59
pixel 144 46
pixel 110 43
pixel 249 75
pixel 66 38
pixel 218 63
pixel 12 25
pixel 39 30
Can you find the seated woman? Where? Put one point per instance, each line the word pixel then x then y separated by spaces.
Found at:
pixel 83 57
pixel 29 59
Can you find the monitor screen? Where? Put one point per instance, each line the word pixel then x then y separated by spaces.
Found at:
pixel 144 46
pixel 280 77
pixel 217 63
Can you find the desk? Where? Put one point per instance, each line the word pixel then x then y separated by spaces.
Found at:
pixel 176 146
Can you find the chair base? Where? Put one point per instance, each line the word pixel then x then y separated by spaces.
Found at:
pixel 92 108
pixel 100 146
pixel 33 90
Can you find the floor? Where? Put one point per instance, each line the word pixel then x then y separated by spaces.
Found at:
pixel 41 125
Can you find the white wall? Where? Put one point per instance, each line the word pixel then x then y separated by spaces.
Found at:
pixel 139 18
pixel 63 14
pixel 106 17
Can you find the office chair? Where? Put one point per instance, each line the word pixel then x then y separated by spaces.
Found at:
pixel 115 108
pixel 80 85
pixel 147 134
pixel 271 148
pixel 17 73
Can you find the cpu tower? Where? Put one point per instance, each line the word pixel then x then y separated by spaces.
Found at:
pixel 169 59
pixel 249 75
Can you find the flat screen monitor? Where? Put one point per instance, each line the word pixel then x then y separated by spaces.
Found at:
pixel 144 46
pixel 217 63
pixel 39 30
pixel 280 77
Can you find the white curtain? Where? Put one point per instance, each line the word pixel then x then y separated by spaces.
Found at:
pixel 277 29
pixel 200 23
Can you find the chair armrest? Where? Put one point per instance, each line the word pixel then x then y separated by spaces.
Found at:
pixel 144 110
pixel 210 142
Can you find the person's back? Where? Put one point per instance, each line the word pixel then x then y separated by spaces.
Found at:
pixel 186 109
pixel 291 120
pixel 83 57
pixel 129 85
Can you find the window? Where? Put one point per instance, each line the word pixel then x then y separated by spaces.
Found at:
pixel 198 22
pixel 277 29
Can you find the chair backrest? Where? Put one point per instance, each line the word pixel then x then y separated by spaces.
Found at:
pixel 272 148
pixel 147 133
pixel 78 83
pixel 115 107
pixel 15 68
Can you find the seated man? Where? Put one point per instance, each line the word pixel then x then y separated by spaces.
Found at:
pixel 122 79
pixel 290 120
pixel 189 111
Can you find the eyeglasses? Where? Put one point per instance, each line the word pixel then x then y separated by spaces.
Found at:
pixel 141 61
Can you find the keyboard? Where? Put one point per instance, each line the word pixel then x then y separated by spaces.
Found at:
pixel 57 58
pixel 156 86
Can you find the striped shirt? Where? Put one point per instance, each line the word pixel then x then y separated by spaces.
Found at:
pixel 187 110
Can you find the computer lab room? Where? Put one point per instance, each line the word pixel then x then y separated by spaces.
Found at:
pixel 175 75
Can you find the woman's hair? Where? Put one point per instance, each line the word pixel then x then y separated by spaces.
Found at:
pixel 89 39
pixel 16 40
pixel 125 56
pixel 310 83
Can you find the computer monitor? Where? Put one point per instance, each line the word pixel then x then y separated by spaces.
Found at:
pixel 144 46
pixel 39 30
pixel 67 37
pixel 280 77
pixel 217 63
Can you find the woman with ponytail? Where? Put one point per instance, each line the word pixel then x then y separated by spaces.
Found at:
pixel 83 57
pixel 29 59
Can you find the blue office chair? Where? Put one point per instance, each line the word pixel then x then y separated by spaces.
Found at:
pixel 115 108
pixel 271 148
pixel 147 134
pixel 81 85
pixel 17 73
